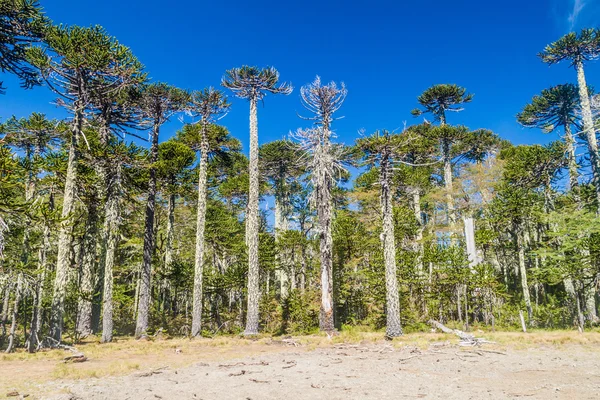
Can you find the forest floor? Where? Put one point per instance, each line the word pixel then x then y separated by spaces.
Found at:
pixel 548 365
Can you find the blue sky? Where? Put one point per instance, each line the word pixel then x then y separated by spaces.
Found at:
pixel 386 52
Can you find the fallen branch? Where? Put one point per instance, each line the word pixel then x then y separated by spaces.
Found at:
pixel 77 357
pixel 466 339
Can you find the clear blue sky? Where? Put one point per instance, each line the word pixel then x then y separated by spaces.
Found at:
pixel 386 52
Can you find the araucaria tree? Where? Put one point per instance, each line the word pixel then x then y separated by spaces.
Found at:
pixel 21 24
pixel 253 84
pixel 579 49
pixel 556 107
pixel 209 105
pixel 75 65
pixel 158 103
pixel 381 150
pixel 323 101
pixel 437 100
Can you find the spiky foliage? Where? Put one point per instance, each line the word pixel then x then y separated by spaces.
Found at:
pixel 555 107
pixel 439 99
pixel 208 104
pixel 34 134
pixel 573 47
pixel 254 83
pixel 21 24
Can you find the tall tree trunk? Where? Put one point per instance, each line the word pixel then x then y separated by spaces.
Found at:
pixel 13 327
pixel 252 227
pixel 588 129
pixel 88 273
pixel 571 158
pixel 169 246
pixel 393 325
pixel 281 225
pixel 419 236
pixel 112 222
pixel 470 241
pixel 447 159
pixel 200 227
pixel 523 271
pixel 65 235
pixel 324 211
pixel 146 271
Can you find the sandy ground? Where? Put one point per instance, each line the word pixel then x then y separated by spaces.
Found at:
pixel 359 371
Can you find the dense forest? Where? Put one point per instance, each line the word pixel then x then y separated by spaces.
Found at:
pixel 109 228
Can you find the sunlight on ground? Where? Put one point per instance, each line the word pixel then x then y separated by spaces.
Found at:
pixel 26 372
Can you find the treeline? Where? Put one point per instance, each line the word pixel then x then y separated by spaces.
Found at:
pixel 99 235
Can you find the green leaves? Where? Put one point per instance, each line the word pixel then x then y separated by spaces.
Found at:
pixel 576 48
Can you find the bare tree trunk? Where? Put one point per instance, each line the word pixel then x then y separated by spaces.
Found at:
pixel 112 222
pixel 200 228
pixel 571 159
pixel 281 226
pixel 324 211
pixel 419 236
pixel 523 271
pixel 448 185
pixel 588 129
pixel 252 227
pixel 169 246
pixel 13 327
pixel 4 315
pixel 65 235
pixel 393 325
pixel 146 272
pixel 88 273
pixel 470 239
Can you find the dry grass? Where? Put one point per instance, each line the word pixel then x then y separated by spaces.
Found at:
pixel 25 371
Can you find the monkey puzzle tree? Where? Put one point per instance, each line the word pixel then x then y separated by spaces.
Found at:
pixel 209 105
pixel 323 101
pixel 34 136
pixel 381 150
pixel 437 100
pixel 253 84
pixel 158 102
pixel 556 107
pixel 73 65
pixel 21 24
pixel 280 163
pixel 578 49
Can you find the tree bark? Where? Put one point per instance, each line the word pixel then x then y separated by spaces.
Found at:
pixel 281 225
pixel 571 158
pixel 65 236
pixel 252 317
pixel 470 241
pixel 448 184
pixel 112 222
pixel 88 273
pixel 393 325
pixel 324 211
pixel 200 228
pixel 13 327
pixel 588 129
pixel 523 271
pixel 146 271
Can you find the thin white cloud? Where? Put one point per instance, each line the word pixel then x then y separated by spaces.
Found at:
pixel 578 5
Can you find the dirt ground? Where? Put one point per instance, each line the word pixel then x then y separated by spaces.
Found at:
pixel 427 366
